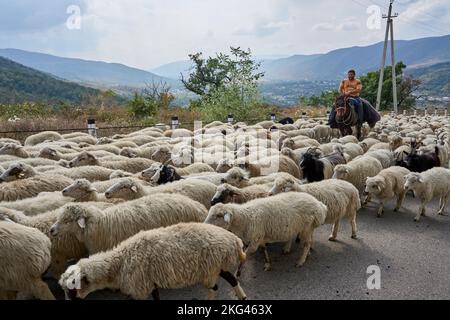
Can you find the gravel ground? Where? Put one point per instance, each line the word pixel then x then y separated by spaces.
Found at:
pixel 413 257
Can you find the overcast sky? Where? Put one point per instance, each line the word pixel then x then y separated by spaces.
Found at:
pixel 148 33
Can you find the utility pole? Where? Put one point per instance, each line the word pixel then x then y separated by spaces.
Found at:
pixel 389 27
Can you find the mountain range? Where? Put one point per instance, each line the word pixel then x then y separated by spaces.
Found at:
pixel 334 64
pixel 20 84
pixel 93 73
pixel 426 58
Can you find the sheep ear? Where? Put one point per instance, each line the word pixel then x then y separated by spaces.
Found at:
pixel 134 189
pixel 420 180
pixel 81 223
pixel 227 217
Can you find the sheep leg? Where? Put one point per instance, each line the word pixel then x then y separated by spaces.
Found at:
pixel 334 231
pixel 421 212
pixel 155 294
pixel 400 199
pixel 444 201
pixel 250 249
pixel 234 283
pixel 41 291
pixel 380 209
pixel 367 200
pixel 287 247
pixel 212 292
pixel 306 249
pixel 354 228
pixel 267 262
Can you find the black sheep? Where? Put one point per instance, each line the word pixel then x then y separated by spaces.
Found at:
pixel 313 167
pixel 287 120
pixel 415 162
pixel 167 174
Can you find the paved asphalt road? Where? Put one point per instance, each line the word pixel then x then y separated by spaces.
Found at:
pixel 414 259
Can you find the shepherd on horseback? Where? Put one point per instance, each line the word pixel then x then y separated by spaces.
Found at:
pixel 350 110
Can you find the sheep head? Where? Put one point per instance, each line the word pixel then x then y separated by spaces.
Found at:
pixel 224 165
pixel 412 181
pixel 127 189
pixel 220 215
pixel 80 189
pixel 129 153
pixel 165 174
pixel 49 153
pixel 341 171
pixel 282 184
pixel 72 218
pixel 81 279
pixel 224 194
pixel 13 149
pixel 84 159
pixel 17 171
pixel 236 177
pixel 375 185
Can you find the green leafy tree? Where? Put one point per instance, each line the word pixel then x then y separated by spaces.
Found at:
pixel 325 99
pixel 226 83
pixel 406 86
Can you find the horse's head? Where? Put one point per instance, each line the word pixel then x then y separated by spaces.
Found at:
pixel 340 104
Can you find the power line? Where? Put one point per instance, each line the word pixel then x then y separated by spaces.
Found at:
pixel 417 22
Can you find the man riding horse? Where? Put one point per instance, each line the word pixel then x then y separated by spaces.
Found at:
pixel 349 109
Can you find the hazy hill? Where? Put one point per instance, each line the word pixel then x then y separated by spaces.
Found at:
pixel 22 84
pixel 435 79
pixel 94 73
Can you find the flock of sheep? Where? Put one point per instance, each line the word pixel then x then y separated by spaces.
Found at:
pixel 173 208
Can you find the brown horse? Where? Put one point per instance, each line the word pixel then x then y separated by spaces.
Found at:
pixel 346 117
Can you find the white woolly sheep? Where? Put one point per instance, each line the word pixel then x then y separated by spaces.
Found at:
pixel 345 140
pixel 63 248
pixel 102 230
pixel 385 157
pixel 25 258
pixel 133 165
pixel 41 137
pixel 31 187
pixel 428 185
pixel 131 189
pixel 226 193
pixel 17 171
pixel 357 171
pixel 386 185
pixel 13 149
pixel 108 147
pixel 91 173
pixel 45 201
pixel 275 219
pixel 81 190
pixel 340 197
pixel 156 259
pixel 367 143
pixel 54 154
pixel 322 133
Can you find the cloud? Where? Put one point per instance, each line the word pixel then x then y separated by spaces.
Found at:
pixel 348 24
pixel 148 33
pixel 324 26
pixel 261 28
pixel 32 16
